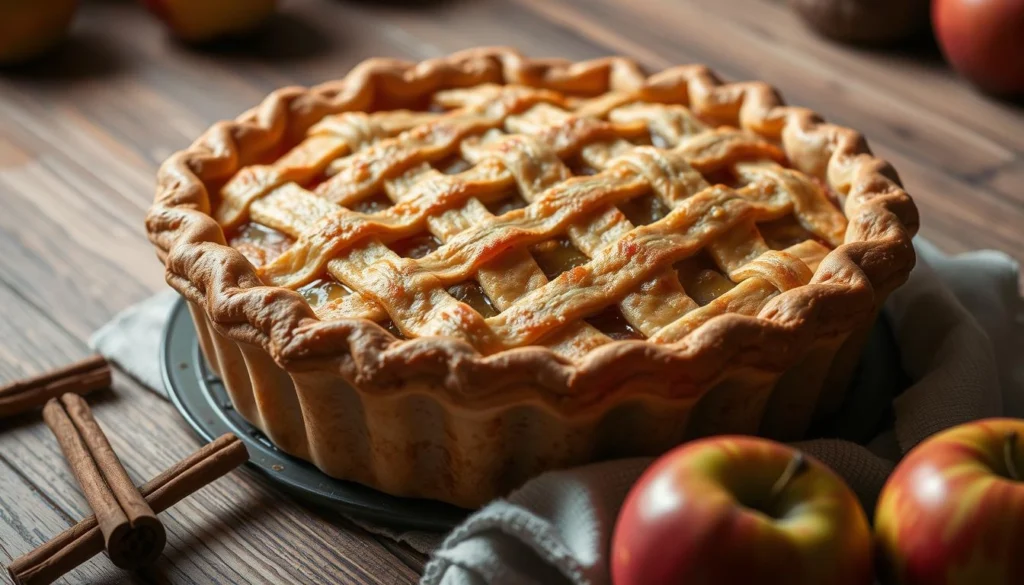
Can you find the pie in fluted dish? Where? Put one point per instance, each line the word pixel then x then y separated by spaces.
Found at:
pixel 441 279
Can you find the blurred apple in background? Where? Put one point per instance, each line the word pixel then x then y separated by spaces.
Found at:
pixel 953 510
pixel 29 28
pixel 740 510
pixel 865 22
pixel 984 41
pixel 198 21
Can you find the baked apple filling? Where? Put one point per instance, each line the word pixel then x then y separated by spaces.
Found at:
pixel 324 291
pixel 259 244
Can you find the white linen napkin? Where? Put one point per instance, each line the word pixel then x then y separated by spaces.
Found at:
pixel 959 325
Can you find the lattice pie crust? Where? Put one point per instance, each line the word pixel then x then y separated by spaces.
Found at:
pixel 440 279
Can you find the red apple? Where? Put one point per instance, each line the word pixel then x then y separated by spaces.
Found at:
pixel 953 510
pixel 740 510
pixel 198 21
pixel 984 41
pixel 31 27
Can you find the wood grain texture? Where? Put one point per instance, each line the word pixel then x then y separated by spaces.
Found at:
pixel 82 133
pixel 239 529
pixel 28 520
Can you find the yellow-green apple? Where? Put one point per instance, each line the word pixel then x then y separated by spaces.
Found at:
pixel 952 512
pixel 31 27
pixel 198 21
pixel 984 41
pixel 737 509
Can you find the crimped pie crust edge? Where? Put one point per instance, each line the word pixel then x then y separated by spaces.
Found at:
pixel 844 293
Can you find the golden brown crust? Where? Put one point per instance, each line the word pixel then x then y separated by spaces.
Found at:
pixel 844 292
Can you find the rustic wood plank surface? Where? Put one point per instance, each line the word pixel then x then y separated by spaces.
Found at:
pixel 82 132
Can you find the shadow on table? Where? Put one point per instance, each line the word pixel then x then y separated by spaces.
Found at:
pixel 413 4
pixel 83 55
pixel 285 37
pixel 216 524
pixel 923 50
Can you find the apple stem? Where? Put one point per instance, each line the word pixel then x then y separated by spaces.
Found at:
pixel 1009 455
pixel 796 466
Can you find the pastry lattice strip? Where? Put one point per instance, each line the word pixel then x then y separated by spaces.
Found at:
pixel 371 268
pixel 373 253
pixel 584 337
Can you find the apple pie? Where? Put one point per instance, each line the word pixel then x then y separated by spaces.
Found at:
pixel 440 279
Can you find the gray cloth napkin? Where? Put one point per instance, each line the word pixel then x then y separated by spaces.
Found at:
pixel 959 324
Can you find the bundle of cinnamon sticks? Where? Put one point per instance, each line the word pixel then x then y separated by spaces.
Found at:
pixel 125 521
pixel 133 536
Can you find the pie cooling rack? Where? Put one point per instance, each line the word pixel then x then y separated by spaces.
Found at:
pixel 201 398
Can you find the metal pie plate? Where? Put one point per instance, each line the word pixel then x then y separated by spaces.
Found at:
pixel 201 398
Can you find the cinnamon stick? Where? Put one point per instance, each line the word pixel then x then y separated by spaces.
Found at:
pixel 132 533
pixel 82 377
pixel 83 541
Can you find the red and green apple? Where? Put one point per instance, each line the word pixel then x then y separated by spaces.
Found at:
pixel 738 509
pixel 952 512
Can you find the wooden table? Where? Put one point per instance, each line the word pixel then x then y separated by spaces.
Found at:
pixel 81 136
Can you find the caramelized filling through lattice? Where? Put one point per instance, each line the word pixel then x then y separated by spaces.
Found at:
pixel 259 243
pixel 508 216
